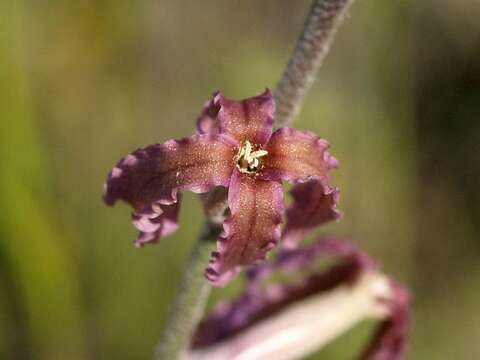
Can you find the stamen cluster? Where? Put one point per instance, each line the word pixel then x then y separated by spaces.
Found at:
pixel 248 160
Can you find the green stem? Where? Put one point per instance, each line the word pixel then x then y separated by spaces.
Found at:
pixel 190 301
pixel 312 47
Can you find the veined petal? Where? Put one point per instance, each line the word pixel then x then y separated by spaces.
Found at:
pixel 314 203
pixel 252 229
pixel 156 222
pixel 250 119
pixel 155 174
pixel 297 156
pixel 207 122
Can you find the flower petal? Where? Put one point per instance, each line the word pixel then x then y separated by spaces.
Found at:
pixel 250 119
pixel 252 229
pixel 154 174
pixel 207 122
pixel 159 221
pixel 390 340
pixel 297 156
pixel 314 203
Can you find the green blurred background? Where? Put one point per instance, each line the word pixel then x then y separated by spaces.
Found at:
pixel 82 83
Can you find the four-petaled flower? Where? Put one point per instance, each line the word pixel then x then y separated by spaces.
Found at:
pixel 235 147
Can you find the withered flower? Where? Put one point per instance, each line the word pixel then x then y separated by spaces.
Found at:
pixel 292 307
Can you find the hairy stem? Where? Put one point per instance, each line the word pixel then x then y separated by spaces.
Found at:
pixel 312 47
pixel 190 301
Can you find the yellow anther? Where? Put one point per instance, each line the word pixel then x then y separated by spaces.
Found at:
pixel 248 161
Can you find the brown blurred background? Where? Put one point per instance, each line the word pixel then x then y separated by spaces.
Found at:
pixel 82 83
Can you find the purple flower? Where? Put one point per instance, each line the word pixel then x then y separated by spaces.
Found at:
pixel 290 308
pixel 235 147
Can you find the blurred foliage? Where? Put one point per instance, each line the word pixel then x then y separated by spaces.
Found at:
pixel 85 82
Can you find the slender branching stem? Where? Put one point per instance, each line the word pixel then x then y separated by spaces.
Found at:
pixel 192 295
pixel 312 47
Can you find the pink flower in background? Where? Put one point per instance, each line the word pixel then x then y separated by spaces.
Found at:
pixel 292 307
pixel 235 147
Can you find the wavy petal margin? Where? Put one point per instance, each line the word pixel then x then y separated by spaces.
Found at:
pixel 155 174
pixel 297 156
pixel 207 122
pixel 158 222
pixel 250 119
pixel 314 203
pixel 149 179
pixel 252 229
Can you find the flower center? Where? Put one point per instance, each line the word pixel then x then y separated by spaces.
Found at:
pixel 248 158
